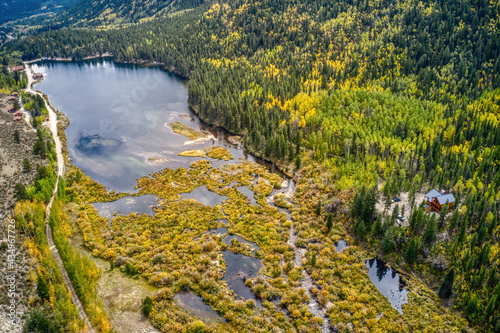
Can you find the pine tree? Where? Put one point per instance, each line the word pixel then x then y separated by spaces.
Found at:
pixel 388 240
pixel 490 308
pixel 314 259
pixel 411 252
pixel 26 165
pixel 20 192
pixel 42 288
pixel 147 306
pixel 471 307
pixel 329 221
pixel 446 288
pixel 298 162
pixel 17 105
pixel 377 226
pixel 17 136
pixel 461 234
pixel 318 208
pixel 430 231
pixel 360 228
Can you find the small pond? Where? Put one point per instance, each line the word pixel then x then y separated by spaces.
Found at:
pixel 247 192
pixel 205 196
pixel 196 307
pixel 240 267
pixel 341 245
pixel 142 204
pixel 388 282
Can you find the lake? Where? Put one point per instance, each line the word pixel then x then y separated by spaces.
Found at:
pixel 118 119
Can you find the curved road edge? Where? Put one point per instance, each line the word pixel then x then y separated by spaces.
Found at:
pixel 52 124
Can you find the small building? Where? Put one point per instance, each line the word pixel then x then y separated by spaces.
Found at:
pixel 17 119
pixel 435 201
pixel 14 94
pixel 37 76
pixel 19 68
pixel 12 99
pixel 18 114
pixel 12 110
pixel 432 194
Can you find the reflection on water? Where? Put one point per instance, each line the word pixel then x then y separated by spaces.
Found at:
pixel 240 267
pixel 117 115
pixel 229 239
pixel 205 196
pixel 341 245
pixel 247 192
pixel 388 283
pixel 195 305
pixel 142 205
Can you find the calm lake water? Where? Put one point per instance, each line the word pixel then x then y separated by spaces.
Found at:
pixel 388 282
pixel 118 119
pixel 124 206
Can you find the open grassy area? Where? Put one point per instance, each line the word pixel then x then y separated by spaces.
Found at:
pixel 187 131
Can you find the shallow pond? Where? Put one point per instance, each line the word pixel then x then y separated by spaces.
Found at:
pixel 341 245
pixel 118 119
pixel 205 196
pixel 142 204
pixel 388 282
pixel 195 306
pixel 240 267
pixel 247 192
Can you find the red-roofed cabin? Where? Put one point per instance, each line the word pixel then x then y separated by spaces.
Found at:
pixel 17 69
pixel 12 99
pixel 12 110
pixel 18 114
pixel 14 94
pixel 17 118
pixel 37 76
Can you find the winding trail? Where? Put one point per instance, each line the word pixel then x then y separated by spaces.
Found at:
pixel 52 125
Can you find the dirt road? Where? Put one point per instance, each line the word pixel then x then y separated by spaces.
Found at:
pixel 60 172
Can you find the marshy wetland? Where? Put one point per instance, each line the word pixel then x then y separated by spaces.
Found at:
pixel 228 244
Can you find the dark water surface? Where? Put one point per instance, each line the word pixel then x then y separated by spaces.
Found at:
pixel 240 267
pixel 388 282
pixel 124 206
pixel 118 119
pixel 197 307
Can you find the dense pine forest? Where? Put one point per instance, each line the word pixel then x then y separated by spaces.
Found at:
pixel 402 93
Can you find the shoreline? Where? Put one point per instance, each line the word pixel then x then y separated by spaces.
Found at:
pixel 104 55
pixel 172 70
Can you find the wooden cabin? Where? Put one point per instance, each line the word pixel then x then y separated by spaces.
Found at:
pixel 17 119
pixel 435 201
pixel 18 114
pixel 14 94
pixel 12 110
pixel 37 76
pixel 19 68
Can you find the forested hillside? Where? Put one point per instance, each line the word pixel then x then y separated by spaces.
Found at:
pixel 17 9
pixel 407 92
pixel 118 12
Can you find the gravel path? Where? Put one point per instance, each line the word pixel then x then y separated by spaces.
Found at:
pixel 48 231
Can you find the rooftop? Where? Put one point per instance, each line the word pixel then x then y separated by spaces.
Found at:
pixel 432 194
pixel 443 199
